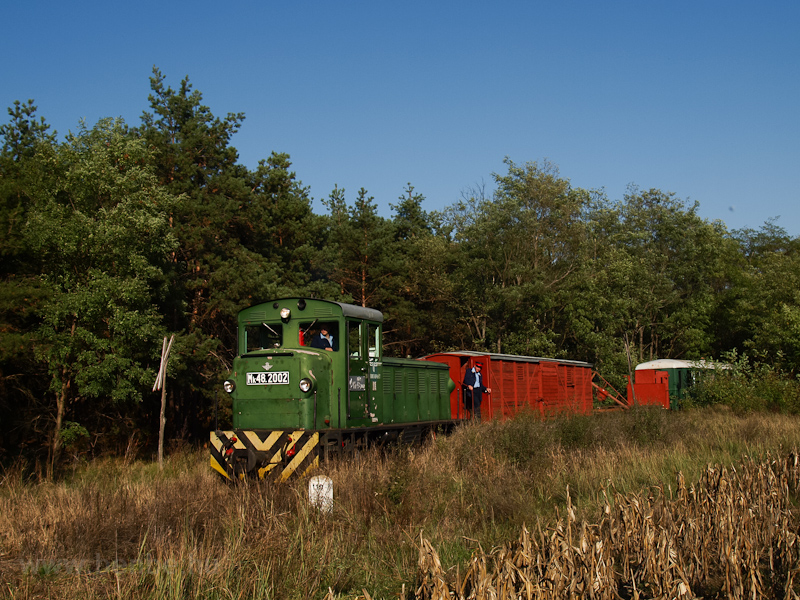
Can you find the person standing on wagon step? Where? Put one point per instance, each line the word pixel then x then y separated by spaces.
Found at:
pixel 473 381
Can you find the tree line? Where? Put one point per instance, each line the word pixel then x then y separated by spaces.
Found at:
pixel 121 234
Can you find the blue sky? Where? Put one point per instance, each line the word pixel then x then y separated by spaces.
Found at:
pixel 698 98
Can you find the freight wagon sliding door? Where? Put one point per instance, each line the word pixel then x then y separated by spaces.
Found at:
pixel 583 388
pixel 510 388
pixel 573 389
pixel 551 397
pixel 456 374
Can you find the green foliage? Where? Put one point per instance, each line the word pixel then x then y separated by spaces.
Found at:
pixel 654 277
pixel 759 313
pixel 24 132
pixel 360 249
pixel 749 385
pixel 518 255
pixel 99 232
pixel 22 381
pixel 72 434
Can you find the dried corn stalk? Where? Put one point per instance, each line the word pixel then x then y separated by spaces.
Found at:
pixel 733 533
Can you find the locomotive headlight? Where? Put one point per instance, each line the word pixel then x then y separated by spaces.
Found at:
pixel 285 314
pixel 229 385
pixel 305 385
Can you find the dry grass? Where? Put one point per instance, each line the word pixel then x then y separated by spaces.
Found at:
pixel 732 535
pixel 114 529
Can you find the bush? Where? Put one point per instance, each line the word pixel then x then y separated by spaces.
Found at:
pixel 748 386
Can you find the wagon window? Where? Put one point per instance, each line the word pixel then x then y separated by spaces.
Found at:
pixel 263 336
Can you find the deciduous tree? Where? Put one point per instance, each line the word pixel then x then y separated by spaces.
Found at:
pixel 99 228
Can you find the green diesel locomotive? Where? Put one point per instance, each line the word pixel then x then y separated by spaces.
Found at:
pixel 310 381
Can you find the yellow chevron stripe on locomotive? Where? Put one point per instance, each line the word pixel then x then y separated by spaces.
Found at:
pixel 266 454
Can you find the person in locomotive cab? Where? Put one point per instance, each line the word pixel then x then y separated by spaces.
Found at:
pixel 324 339
pixel 473 394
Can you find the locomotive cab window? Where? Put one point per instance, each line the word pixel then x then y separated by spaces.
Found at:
pixel 263 336
pixel 374 340
pixel 322 335
pixel 354 338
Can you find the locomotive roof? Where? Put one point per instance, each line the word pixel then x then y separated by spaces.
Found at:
pixel 348 310
pixel 514 358
pixel 360 312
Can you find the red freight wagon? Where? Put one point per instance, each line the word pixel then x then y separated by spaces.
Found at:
pixel 546 385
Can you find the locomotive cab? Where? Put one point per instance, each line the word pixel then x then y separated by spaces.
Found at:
pixel 303 366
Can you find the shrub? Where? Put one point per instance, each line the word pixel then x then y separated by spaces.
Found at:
pixel 748 386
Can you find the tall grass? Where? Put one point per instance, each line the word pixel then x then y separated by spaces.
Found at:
pixel 117 529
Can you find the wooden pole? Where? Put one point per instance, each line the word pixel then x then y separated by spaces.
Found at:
pixel 161 383
pixel 630 369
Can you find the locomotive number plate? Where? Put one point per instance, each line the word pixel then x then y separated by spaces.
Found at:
pixel 270 378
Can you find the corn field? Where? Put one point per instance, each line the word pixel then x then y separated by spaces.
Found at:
pixel 733 534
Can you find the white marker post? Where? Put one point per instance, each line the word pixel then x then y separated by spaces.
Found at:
pixel 320 493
